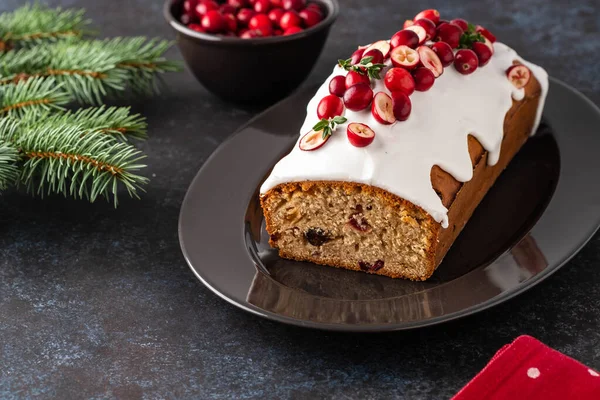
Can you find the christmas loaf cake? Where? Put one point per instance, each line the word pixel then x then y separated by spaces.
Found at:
pixel 399 146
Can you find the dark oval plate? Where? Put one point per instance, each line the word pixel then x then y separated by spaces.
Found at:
pixel 541 211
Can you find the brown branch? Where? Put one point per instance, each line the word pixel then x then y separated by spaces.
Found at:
pixel 24 104
pixel 52 72
pixel 109 130
pixel 148 65
pixel 40 35
pixel 74 158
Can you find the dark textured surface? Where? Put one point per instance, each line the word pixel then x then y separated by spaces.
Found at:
pixel 98 303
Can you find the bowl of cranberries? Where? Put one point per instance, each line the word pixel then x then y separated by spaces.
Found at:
pixel 251 51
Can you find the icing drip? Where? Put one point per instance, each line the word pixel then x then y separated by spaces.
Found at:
pixel 401 157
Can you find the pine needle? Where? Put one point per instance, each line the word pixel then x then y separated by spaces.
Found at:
pixel 72 161
pixel 92 69
pixel 34 24
pixel 31 98
pixel 115 121
pixel 8 164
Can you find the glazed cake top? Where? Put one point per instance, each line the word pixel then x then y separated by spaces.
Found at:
pixel 402 154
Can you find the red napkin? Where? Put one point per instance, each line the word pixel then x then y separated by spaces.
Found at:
pixel 528 369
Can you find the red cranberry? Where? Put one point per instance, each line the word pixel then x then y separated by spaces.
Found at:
pixel 259 21
pixel 250 34
pixel 330 106
pixel 237 3
pixel 230 22
pixel 486 33
pixel 196 28
pixel 310 17
pixel 277 32
pixel 430 14
pixel 296 5
pixel 358 97
pixel 264 31
pixel 353 78
pixel 292 30
pixel 483 52
pixel 376 54
pixel 189 6
pixel 213 21
pixel 444 52
pixel 204 6
pixel 405 37
pixel 244 16
pixel 187 19
pixel 402 105
pixel 314 6
pixel 450 34
pixel 275 16
pixel 227 9
pixel 357 56
pixel 424 79
pixel 428 26
pixel 290 19
pixel 464 25
pixel 465 61
pixel 337 85
pixel 262 6
pixel 277 3
pixel 399 80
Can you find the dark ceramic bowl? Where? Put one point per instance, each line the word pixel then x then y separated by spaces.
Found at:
pixel 259 70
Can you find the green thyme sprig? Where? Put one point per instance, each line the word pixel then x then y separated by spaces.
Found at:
pixel 469 37
pixel 328 125
pixel 364 66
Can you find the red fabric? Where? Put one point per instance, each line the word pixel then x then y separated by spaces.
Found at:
pixel 528 369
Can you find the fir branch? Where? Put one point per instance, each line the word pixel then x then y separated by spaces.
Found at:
pixel 8 160
pixel 34 24
pixel 93 69
pixel 72 161
pixel 114 121
pixel 32 98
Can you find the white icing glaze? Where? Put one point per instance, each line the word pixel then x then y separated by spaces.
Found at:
pixel 401 157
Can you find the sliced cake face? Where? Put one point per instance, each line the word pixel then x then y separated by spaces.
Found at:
pixel 373 230
pixel 415 137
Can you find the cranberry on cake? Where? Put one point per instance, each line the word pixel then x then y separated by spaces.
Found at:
pixel 399 146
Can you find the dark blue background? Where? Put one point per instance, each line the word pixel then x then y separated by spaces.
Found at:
pixel 97 302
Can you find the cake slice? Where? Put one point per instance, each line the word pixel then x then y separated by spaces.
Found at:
pixel 395 205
